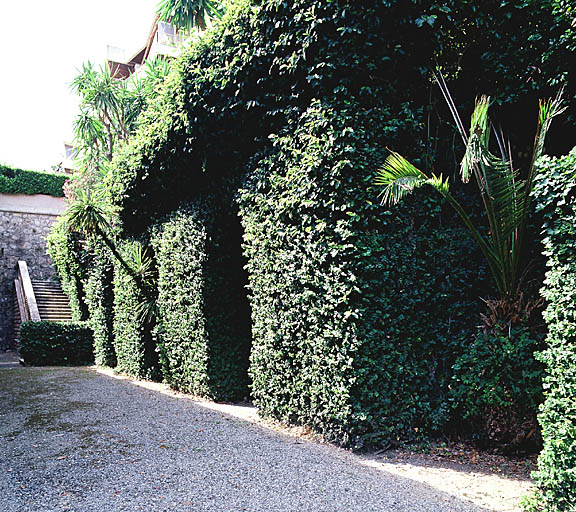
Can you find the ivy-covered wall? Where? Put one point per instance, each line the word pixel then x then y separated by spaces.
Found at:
pixel 357 312
pixel 556 196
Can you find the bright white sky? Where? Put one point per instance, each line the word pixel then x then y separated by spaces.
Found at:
pixel 42 43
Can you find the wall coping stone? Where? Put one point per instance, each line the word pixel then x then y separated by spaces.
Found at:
pixel 38 204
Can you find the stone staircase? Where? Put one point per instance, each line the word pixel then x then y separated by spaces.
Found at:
pixel 52 303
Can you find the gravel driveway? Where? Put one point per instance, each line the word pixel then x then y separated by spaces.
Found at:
pixel 74 439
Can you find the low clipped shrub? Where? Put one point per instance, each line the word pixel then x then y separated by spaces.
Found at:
pixel 19 181
pixel 99 288
pixel 56 343
pixel 555 193
pixel 497 386
pixel 203 327
pixel 134 344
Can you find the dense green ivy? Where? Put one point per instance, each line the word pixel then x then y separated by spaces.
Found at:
pixel 68 254
pixel 358 313
pixel 203 318
pixel 54 343
pixel 134 345
pixel 354 310
pixel 19 181
pixel 99 288
pixel 497 386
pixel 555 193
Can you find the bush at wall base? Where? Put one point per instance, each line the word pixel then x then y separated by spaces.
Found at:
pixel 56 344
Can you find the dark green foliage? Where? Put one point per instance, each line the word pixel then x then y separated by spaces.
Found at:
pixel 555 194
pixel 498 380
pixel 354 318
pixel 357 312
pixel 203 325
pixel 134 344
pixel 19 181
pixel 68 254
pixel 55 343
pixel 99 287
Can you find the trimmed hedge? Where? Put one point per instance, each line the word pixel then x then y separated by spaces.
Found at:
pixel 555 193
pixel 69 255
pixel 134 344
pixel 19 181
pixel 354 315
pixel 99 288
pixel 204 321
pixel 55 343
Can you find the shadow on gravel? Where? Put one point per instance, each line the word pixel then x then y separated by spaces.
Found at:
pixel 74 439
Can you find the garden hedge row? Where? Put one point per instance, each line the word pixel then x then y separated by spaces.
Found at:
pixel 19 181
pixel 358 313
pixel 204 321
pixel 556 196
pixel 55 344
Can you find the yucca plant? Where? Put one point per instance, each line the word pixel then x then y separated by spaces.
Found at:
pixel 188 14
pixel 505 196
pixel 89 214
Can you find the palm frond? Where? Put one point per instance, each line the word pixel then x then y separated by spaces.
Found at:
pixel 88 213
pixel 398 177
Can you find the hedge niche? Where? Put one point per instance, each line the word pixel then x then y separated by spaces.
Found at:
pixel 555 193
pixel 203 317
pixel 134 344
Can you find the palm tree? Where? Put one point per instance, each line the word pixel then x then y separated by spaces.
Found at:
pixel 505 197
pixel 188 14
pixel 88 214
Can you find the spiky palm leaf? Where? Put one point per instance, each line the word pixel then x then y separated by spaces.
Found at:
pixel 506 198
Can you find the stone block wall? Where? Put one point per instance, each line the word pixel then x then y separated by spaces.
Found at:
pixel 22 237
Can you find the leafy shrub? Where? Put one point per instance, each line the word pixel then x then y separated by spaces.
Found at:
pixel 19 181
pixel 68 254
pixel 203 327
pixel 498 382
pixel 134 344
pixel 555 193
pixel 99 287
pixel 55 343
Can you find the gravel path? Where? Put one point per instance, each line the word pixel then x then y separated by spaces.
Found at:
pixel 74 439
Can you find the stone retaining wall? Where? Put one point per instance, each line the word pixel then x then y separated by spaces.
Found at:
pixel 23 237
